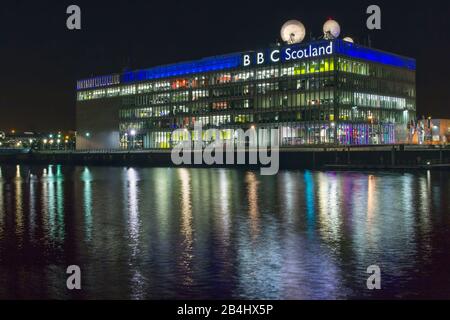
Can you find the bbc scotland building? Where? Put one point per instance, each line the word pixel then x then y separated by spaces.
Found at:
pixel 327 92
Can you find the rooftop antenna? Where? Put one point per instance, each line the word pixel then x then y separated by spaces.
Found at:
pixel 293 31
pixel 331 29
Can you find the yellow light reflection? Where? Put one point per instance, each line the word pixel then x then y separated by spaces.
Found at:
pixel 224 204
pixel 162 202
pixel 134 226
pixel 425 198
pixel 133 212
pixel 330 214
pixel 252 194
pixel 19 203
pixel 186 225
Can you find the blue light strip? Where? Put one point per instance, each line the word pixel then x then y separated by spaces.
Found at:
pixel 360 52
pixel 184 68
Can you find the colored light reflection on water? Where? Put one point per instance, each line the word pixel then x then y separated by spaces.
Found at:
pixel 166 233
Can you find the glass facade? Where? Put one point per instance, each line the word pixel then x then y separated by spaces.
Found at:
pixel 327 100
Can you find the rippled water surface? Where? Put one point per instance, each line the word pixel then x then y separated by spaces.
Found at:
pixel 149 233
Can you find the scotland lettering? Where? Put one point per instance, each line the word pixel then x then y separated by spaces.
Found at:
pixel 287 54
pixel 292 54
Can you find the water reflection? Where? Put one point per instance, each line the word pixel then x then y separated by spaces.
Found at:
pixel 329 209
pixel 86 177
pixel 32 199
pixel 425 201
pixel 187 256
pixel 132 208
pixel 310 201
pixel 252 194
pixel 225 193
pixel 18 208
pixel 134 231
pixel 59 204
pixel 50 199
pixel 201 233
pixel 162 198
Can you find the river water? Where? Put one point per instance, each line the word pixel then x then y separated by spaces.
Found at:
pixel 162 233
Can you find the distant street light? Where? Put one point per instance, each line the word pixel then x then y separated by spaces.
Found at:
pixel 133 134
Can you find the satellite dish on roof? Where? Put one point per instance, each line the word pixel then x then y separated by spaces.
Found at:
pixel 331 29
pixel 293 31
pixel 348 39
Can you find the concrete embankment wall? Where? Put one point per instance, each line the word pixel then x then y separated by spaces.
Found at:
pixel 289 158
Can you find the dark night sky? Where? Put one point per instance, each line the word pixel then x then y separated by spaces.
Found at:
pixel 41 60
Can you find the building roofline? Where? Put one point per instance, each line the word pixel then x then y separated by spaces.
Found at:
pixel 232 60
